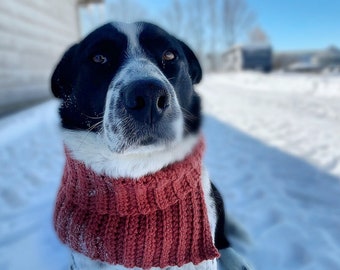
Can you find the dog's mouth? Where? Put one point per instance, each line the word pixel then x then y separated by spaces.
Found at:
pixel 132 136
pixel 148 141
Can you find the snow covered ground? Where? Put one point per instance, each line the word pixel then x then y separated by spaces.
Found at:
pixel 273 149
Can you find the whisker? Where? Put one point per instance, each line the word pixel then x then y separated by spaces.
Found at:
pixel 94 126
pixel 89 130
pixel 189 115
pixel 100 116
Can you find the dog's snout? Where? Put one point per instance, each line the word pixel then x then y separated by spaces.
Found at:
pixel 146 100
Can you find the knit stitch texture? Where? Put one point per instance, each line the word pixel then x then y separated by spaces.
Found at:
pixel 158 220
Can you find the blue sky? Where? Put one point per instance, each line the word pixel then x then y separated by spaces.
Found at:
pixel 293 24
pixel 289 24
pixel 299 24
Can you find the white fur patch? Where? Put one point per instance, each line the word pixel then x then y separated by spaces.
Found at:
pixel 132 32
pixel 90 148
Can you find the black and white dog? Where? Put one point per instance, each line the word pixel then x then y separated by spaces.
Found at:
pixel 129 108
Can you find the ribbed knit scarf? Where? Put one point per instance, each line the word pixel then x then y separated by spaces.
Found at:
pixel 158 220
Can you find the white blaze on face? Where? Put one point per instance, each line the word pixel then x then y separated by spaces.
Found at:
pixel 132 32
pixel 136 67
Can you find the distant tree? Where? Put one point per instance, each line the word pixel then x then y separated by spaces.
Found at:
pixel 187 25
pixel 237 18
pixel 196 25
pixel 257 36
pixel 200 17
pixel 174 16
pixel 213 37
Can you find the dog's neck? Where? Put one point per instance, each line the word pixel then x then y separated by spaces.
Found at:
pixel 179 178
pixel 90 149
pixel 105 218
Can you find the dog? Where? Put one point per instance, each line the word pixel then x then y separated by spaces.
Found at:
pixel 131 120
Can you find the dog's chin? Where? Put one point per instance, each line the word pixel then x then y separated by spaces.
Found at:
pixel 142 138
pixel 146 144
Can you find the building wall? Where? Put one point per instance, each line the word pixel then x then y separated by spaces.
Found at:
pixel 257 59
pixel 248 58
pixel 33 35
pixel 232 60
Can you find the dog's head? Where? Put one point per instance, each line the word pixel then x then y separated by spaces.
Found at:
pixel 132 84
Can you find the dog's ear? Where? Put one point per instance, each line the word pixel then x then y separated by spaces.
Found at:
pixel 195 69
pixel 62 78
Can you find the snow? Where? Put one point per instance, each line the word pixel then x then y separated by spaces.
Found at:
pixel 31 165
pixel 272 149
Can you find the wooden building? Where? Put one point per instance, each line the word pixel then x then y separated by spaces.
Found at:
pixel 33 35
pixel 251 57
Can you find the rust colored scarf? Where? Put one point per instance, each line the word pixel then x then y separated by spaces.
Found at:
pixel 158 220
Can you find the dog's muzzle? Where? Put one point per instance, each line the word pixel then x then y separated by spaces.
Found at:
pixel 141 108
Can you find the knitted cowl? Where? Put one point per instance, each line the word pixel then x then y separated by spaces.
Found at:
pixel 158 220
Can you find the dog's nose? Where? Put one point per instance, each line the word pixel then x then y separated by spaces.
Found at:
pixel 146 100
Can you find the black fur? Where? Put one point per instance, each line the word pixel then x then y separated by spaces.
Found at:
pixel 221 242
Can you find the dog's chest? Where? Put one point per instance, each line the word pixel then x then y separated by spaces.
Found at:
pixel 80 262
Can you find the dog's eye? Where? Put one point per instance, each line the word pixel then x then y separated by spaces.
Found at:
pixel 168 56
pixel 99 59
